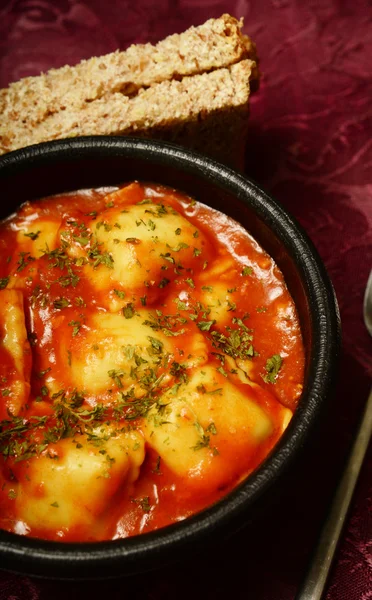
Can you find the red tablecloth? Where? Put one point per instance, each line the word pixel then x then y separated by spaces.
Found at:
pixel 310 146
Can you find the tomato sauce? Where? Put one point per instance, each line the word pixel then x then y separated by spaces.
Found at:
pixel 151 357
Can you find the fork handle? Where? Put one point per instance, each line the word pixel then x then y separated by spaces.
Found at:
pixel 314 582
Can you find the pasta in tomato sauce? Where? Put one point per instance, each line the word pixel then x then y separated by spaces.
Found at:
pixel 150 358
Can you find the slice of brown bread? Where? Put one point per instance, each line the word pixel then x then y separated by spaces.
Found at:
pixel 168 90
pixel 179 111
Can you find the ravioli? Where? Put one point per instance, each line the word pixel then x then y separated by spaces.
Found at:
pixel 151 358
pixel 15 353
pixel 74 484
pixel 149 244
pixel 190 432
pixel 104 356
pixel 36 238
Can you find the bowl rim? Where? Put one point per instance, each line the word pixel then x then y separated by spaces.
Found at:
pixel 130 555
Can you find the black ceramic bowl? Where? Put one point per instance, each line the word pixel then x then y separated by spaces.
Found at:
pixel 60 166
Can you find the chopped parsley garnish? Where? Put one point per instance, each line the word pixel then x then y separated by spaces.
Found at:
pixel 211 429
pixel 168 324
pixel 76 327
pixel 247 271
pixel 204 439
pixel 83 241
pixel 180 372
pixel 144 503
pixel 180 305
pixel 180 246
pixel 156 345
pixel 24 260
pixel 164 282
pixel 116 375
pixel 167 256
pixel 128 310
pixel 39 297
pixel 273 366
pixel 205 325
pixel 79 301
pixel 100 258
pixel 33 235
pixel 58 257
pixel 237 343
pixel 156 469
pixel 42 374
pixel 21 438
pixel 67 280
pixel 120 294
pixel 145 201
pixel 4 282
pixel 61 303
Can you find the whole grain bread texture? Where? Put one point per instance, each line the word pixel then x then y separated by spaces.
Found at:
pixel 191 88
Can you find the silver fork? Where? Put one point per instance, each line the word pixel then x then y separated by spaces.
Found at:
pixel 313 585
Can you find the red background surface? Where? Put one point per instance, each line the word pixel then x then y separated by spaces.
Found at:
pixel 311 147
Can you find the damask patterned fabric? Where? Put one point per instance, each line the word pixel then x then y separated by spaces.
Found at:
pixel 310 146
